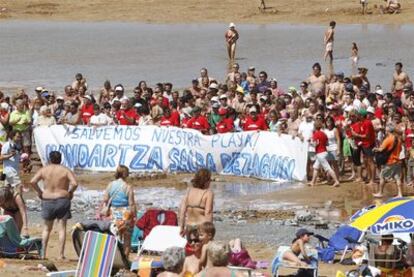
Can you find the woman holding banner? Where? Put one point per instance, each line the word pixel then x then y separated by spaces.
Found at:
pixel 197 205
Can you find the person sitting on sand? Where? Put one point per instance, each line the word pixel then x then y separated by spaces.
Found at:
pixel 391 7
pixel 12 203
pixel 206 232
pixel 218 254
pixel 297 253
pixel 173 262
pixel 197 205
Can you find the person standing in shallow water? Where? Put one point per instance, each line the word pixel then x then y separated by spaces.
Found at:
pixel 231 38
pixel 329 40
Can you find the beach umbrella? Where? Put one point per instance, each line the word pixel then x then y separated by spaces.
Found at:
pixel 394 216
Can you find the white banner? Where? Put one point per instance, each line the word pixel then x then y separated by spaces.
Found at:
pixel 264 155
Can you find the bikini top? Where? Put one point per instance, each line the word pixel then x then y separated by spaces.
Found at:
pixel 199 204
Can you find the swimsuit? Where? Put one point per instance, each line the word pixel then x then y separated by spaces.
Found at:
pixel 56 209
pixel 199 205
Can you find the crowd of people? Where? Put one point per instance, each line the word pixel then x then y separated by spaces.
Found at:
pixel 346 122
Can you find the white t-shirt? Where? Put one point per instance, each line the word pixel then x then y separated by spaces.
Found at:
pixel 101 120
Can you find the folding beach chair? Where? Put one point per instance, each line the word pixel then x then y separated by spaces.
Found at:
pixel 12 245
pixel 96 258
pixel 159 239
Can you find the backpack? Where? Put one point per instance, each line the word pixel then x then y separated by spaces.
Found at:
pixel 381 158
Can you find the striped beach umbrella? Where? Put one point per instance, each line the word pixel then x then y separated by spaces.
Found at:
pixel 394 216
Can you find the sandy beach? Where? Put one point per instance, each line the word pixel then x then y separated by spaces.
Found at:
pixel 180 11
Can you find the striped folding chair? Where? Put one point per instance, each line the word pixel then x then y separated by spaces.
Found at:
pixel 96 257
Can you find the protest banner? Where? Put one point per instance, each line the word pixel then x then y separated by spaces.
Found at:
pixel 264 155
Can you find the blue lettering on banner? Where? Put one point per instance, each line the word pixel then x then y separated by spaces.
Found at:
pixel 109 133
pixel 266 166
pixel 235 140
pixel 175 136
pixel 189 161
pixel 141 151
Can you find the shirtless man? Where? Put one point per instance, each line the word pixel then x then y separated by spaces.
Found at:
pixel 329 40
pixel 317 81
pixel 231 38
pixel 59 186
pixel 399 79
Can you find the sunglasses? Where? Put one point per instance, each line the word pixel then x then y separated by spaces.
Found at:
pixel 191 241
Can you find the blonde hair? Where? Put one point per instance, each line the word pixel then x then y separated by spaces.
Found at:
pixel 218 253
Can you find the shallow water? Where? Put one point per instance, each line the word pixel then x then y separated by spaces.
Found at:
pixel 228 196
pixel 50 53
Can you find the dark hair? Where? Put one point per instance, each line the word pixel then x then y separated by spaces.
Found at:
pixel 96 107
pixel 208 228
pixel 107 83
pixel 106 105
pixel 332 23
pixel 317 65
pixel 121 172
pixel 399 64
pixel 263 73
pixel 201 178
pixel 55 157
pixel 12 133
pixel 6 194
pixel 78 76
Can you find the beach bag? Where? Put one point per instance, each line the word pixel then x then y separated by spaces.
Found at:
pixel 106 209
pixel 381 158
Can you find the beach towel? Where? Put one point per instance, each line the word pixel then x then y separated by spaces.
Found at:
pixel 155 217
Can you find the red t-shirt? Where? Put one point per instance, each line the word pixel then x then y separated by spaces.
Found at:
pixel 131 113
pixel 199 123
pixel 378 112
pixel 184 122
pixel 408 138
pixel 356 127
pixel 224 126
pixel 170 121
pixel 367 129
pixel 86 113
pixel 321 141
pixel 254 125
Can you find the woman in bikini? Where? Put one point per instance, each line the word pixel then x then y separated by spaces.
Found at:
pixel 197 205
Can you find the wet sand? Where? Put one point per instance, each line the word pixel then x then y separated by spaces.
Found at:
pixel 185 11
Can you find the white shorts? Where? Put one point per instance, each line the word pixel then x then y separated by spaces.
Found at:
pixel 329 46
pixel 322 161
pixel 12 177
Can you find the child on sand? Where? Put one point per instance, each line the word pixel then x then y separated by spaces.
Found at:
pixel 206 232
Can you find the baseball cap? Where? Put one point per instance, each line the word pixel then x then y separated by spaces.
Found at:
pixel 45 93
pixel 137 105
pixel 302 232
pixel 251 68
pixel 39 89
pixel 119 88
pixel 60 98
pixel 253 110
pixel 379 92
pixel 88 97
pixel 214 99
pixel 232 25
pixel 213 86
pixel 215 105
pixel 223 96
pixel 362 112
